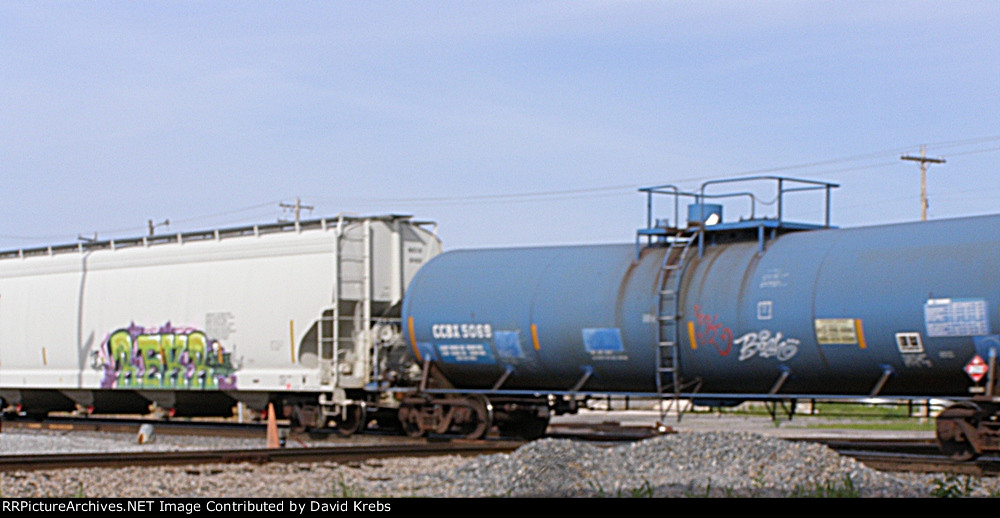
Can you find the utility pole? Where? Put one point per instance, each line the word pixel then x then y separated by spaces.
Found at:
pixel 152 226
pixel 297 208
pixel 924 160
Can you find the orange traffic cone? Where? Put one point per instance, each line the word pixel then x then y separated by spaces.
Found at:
pixel 272 428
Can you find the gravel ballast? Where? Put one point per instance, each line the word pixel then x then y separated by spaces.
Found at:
pixel 694 464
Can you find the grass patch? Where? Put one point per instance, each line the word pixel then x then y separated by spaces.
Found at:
pixel 828 410
pixel 643 491
pixel 860 410
pixel 953 486
pixel 342 489
pixel 894 425
pixel 845 489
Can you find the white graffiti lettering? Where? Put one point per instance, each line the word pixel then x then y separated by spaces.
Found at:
pixel 461 331
pixel 763 344
pixel 916 360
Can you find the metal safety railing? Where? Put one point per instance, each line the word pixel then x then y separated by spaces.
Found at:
pixel 658 230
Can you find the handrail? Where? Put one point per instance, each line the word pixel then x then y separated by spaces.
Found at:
pixel 200 235
pixel 785 185
pixel 812 185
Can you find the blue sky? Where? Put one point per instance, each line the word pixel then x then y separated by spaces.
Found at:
pixel 509 123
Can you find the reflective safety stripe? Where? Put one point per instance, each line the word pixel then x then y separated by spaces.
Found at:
pixel 413 339
pixel 534 337
pixel 861 333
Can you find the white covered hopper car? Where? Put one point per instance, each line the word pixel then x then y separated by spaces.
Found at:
pixel 304 315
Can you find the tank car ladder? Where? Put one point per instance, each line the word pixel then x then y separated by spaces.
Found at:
pixel 668 323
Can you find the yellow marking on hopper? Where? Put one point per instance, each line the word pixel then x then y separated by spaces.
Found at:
pixel 291 341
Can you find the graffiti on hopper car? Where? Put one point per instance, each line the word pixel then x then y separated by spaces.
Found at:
pixel 166 357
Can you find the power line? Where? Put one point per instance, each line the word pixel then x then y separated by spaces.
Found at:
pixel 975 151
pixel 465 199
pixel 570 194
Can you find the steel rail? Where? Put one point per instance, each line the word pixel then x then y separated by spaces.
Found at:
pixel 126 425
pixel 908 455
pixel 191 457
pixel 917 463
pixel 607 431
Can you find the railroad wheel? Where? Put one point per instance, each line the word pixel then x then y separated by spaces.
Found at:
pixel 408 420
pixel 478 419
pixel 298 422
pixel 349 421
pixel 950 436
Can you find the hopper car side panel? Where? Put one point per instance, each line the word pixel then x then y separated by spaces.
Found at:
pixel 33 339
pixel 232 310
pixel 241 314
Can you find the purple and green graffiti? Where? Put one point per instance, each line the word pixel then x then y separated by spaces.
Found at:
pixel 166 357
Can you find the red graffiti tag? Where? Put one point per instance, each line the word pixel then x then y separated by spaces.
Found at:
pixel 711 331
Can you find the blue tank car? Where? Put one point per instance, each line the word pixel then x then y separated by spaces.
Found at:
pixel 715 311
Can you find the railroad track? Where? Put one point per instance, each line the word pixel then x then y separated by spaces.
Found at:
pixel 609 431
pixel 863 445
pixel 126 425
pixel 909 456
pixel 913 456
pixel 906 455
pixel 888 461
pixel 400 446
pixel 190 457
pixel 406 447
